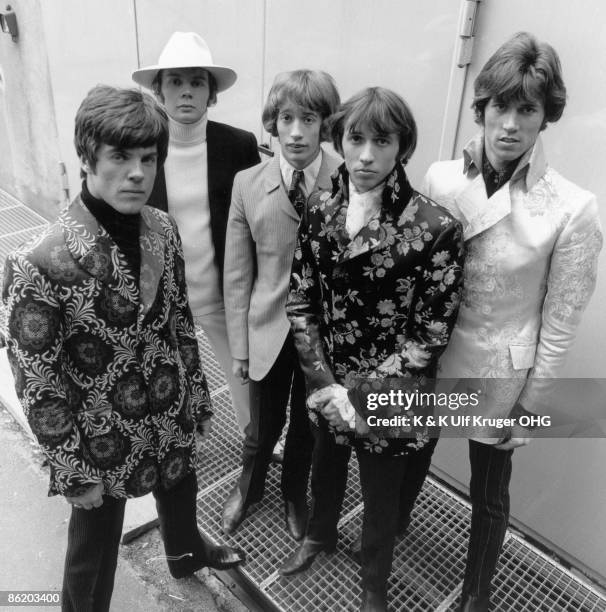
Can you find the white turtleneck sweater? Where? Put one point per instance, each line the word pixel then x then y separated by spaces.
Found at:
pixel 186 174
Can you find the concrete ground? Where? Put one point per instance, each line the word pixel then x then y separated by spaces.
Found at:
pixel 34 531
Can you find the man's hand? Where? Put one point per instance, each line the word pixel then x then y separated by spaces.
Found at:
pixel 239 368
pixel 518 436
pixel 93 498
pixel 334 404
pixel 332 414
pixel 206 427
pixel 322 396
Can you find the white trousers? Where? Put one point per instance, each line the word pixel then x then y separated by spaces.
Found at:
pixel 215 329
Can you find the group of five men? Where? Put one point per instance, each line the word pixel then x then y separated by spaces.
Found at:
pixel 305 273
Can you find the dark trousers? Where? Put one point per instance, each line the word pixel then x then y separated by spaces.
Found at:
pixel 489 492
pixel 328 482
pixel 94 536
pixel 268 403
pixel 390 487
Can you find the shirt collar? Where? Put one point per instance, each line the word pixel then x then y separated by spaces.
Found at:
pixel 531 167
pixel 310 173
pixel 372 195
pixel 188 133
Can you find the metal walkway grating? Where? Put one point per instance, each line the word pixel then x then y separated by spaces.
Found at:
pixel 7 200
pixel 428 562
pixel 18 223
pixel 529 581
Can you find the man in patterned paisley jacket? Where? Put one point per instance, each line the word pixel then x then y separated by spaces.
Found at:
pixel 374 293
pixel 104 353
pixel 533 240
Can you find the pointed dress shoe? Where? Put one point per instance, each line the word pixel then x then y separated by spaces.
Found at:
pixel 373 601
pixel 215 557
pixel 224 557
pixel 474 603
pixel 234 511
pixel 295 518
pixel 304 556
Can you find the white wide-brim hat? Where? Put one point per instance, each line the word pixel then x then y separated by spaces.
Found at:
pixel 186 50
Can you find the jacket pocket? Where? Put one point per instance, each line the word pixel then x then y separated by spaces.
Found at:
pixel 522 355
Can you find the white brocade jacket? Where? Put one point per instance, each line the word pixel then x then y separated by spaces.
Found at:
pixel 532 251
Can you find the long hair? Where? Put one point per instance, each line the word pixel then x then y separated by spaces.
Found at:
pixel 312 89
pixel 522 69
pixel 381 110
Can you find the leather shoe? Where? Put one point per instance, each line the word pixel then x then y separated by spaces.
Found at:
pixel 224 557
pixel 373 601
pixel 474 603
pixel 295 517
pixel 215 557
pixel 304 556
pixel 234 511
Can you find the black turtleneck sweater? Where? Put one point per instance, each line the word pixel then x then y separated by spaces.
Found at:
pixel 123 229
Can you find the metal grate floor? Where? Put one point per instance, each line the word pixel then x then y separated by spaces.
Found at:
pixel 17 225
pixel 428 562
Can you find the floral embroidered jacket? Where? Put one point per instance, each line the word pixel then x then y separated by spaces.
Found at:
pixel 532 252
pixel 380 305
pixel 108 372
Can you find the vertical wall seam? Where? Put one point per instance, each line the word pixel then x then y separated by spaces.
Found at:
pixel 457 83
pixel 136 33
pixel 263 62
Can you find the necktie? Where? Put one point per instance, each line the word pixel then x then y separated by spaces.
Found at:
pixel 295 193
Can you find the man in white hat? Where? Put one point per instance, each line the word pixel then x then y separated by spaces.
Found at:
pixel 195 184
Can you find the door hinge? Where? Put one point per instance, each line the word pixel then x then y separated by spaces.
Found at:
pixel 466 32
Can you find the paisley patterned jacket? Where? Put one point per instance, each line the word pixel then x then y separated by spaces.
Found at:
pixel 532 251
pixel 108 372
pixel 379 306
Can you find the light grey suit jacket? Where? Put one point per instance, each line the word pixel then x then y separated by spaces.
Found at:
pixel 260 245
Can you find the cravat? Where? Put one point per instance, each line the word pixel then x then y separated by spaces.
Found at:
pixel 295 193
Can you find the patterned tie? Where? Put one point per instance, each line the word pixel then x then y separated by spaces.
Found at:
pixel 295 193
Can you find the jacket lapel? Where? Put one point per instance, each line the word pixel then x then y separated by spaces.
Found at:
pixel 273 184
pixel 152 243
pixel 97 253
pixel 379 230
pixel 215 162
pixel 480 212
pixel 91 246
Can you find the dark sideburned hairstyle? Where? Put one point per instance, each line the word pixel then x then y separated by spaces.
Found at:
pixel 156 86
pixel 522 69
pixel 123 118
pixel 381 110
pixel 312 89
